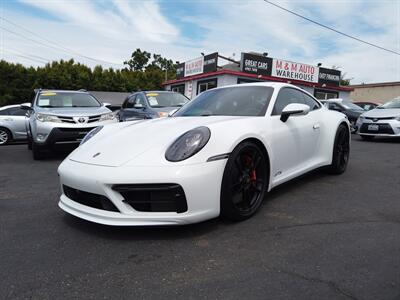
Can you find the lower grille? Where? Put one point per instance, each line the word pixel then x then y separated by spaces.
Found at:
pixel 384 128
pixel 153 197
pixel 89 199
pixel 76 130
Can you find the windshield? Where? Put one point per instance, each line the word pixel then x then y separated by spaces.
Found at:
pixel 232 101
pixel 166 99
pixel 395 103
pixel 351 105
pixel 66 99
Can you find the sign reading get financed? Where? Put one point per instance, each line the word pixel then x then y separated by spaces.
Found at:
pixel 294 71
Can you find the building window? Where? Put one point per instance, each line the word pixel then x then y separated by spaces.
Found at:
pixel 325 94
pixel 205 85
pixel 245 80
pixel 178 88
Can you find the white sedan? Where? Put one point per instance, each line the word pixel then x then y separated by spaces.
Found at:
pixel 218 155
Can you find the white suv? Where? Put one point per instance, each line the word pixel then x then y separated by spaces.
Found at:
pixel 59 117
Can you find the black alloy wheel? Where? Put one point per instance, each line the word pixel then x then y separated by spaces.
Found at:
pixel 244 183
pixel 341 151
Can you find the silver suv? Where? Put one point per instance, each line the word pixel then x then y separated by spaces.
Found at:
pixel 59 117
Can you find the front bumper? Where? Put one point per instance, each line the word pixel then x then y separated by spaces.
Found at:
pixel 201 184
pixel 383 127
pixel 54 133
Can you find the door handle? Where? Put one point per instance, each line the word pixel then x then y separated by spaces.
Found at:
pixel 315 126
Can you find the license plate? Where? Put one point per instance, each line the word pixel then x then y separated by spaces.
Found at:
pixel 373 127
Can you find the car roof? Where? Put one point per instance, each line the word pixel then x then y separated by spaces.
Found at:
pixel 63 91
pixel 9 106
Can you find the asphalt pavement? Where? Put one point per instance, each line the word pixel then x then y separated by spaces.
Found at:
pixel 318 237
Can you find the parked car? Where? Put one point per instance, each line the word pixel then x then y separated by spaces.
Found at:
pixel 367 105
pixel 12 124
pixel 150 105
pixel 351 110
pixel 382 121
pixel 59 117
pixel 218 155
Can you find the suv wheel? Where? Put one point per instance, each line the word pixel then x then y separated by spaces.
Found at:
pixel 5 136
pixel 38 151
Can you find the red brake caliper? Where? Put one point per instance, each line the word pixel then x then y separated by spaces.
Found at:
pixel 253 175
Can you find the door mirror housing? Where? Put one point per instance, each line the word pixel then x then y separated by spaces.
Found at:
pixel 26 106
pixel 138 105
pixel 295 109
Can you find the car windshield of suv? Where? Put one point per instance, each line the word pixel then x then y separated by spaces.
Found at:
pixel 351 105
pixel 232 101
pixel 66 99
pixel 395 103
pixel 166 99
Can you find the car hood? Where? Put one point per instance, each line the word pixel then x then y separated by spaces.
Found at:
pixel 382 113
pixel 75 111
pixel 165 109
pixel 117 144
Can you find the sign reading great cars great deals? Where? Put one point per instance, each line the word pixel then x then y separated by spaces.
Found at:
pixel 295 71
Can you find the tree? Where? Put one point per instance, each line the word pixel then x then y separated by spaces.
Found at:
pixel 343 81
pixel 138 61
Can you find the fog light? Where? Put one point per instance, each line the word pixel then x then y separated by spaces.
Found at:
pixel 41 137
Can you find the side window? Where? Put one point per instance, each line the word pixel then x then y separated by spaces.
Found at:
pixel 4 112
pixel 311 102
pixel 286 96
pixel 130 102
pixel 16 111
pixel 140 101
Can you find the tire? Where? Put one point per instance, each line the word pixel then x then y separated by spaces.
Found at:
pixel 29 143
pixel 367 137
pixel 5 136
pixel 38 151
pixel 244 183
pixel 341 151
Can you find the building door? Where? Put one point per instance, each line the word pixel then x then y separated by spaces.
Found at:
pixel 205 85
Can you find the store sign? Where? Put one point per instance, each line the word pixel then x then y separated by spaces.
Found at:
pixel 256 64
pixel 203 64
pixel 329 76
pixel 180 71
pixel 294 71
pixel 210 62
pixel 194 66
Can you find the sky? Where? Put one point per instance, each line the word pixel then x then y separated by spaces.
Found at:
pixel 106 32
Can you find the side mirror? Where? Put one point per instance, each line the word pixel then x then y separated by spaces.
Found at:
pixel 296 109
pixel 171 113
pixel 26 106
pixel 138 105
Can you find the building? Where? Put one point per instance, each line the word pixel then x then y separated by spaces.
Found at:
pixel 376 92
pixel 203 73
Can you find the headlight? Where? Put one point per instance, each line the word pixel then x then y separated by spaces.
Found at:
pixel 91 134
pixel 47 118
pixel 188 144
pixel 108 116
pixel 162 114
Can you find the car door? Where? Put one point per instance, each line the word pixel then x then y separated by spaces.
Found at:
pixel 18 117
pixel 295 140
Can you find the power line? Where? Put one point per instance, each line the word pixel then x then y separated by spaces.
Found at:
pixel 26 57
pixel 332 29
pixel 45 60
pixel 58 48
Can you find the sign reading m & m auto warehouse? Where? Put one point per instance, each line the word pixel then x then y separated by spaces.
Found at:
pixel 294 71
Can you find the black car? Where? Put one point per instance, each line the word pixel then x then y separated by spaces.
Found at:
pixel 367 105
pixel 351 110
pixel 150 105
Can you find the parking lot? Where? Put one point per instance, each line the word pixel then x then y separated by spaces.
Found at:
pixel 319 237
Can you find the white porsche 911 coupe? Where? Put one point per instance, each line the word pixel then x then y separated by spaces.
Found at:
pixel 218 155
